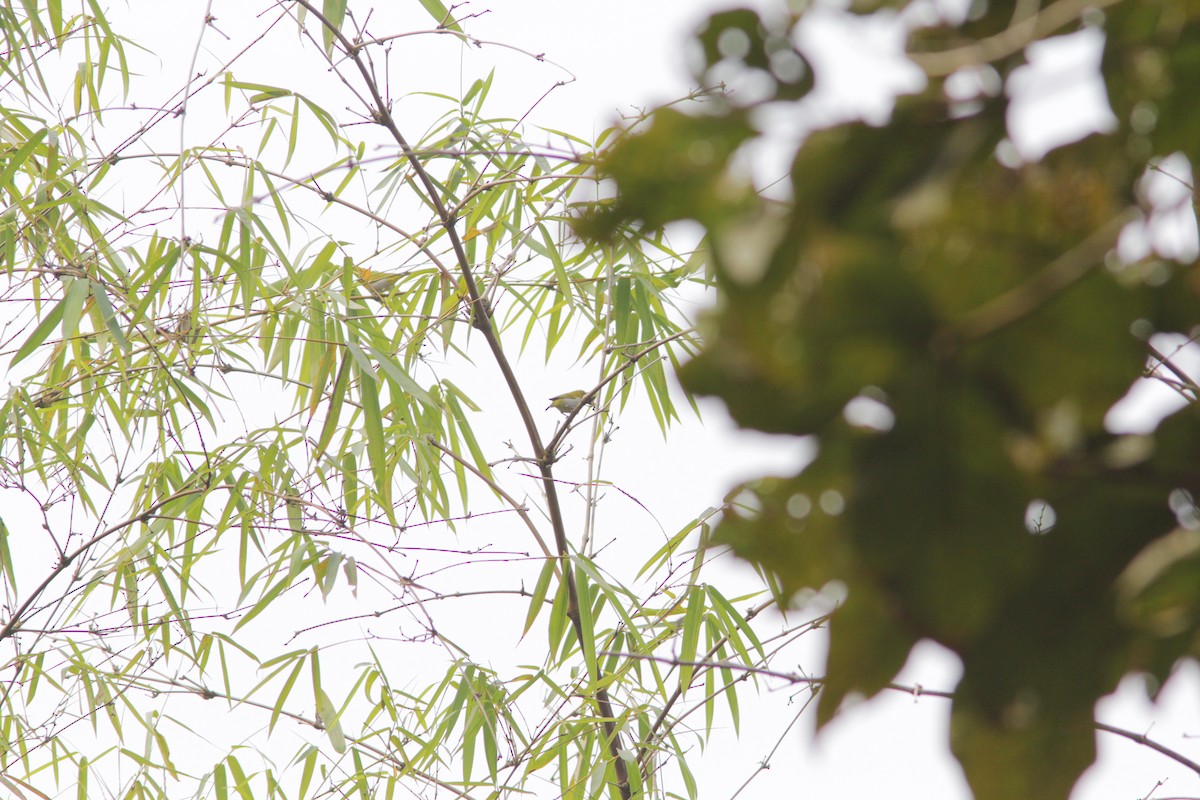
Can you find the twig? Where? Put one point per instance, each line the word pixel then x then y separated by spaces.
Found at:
pixel 1142 739
pixel 791 677
pixel 565 426
pixel 765 764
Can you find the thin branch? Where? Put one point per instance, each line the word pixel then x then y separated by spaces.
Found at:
pixel 565 426
pixel 765 764
pixel 183 119
pixel 678 693
pixel 380 613
pixel 791 677
pixel 212 694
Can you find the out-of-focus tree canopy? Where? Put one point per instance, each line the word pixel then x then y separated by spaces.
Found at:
pixel 953 325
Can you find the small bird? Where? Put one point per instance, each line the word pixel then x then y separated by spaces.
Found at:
pixel 378 283
pixel 566 403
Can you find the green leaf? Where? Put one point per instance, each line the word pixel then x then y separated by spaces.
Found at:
pixel 81 779
pixel 387 363
pixel 263 603
pixel 690 629
pixel 1052 750
pixel 310 764
pixel 40 333
pixel 241 783
pixel 586 622
pixel 109 315
pixel 335 14
pixel 376 441
pixel 333 411
pixel 6 564
pixel 329 716
pixel 284 691
pixel 536 601
pixel 558 622
pixel 734 623
pixel 867 647
pixel 662 182
pixel 326 710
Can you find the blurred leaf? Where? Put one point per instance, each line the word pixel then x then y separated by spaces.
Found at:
pixel 1051 751
pixel 945 328
pixel 662 182
pixel 742 39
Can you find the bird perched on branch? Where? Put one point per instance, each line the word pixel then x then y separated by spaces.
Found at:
pixel 566 403
pixel 378 283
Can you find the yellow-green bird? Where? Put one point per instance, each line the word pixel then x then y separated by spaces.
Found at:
pixel 378 283
pixel 566 403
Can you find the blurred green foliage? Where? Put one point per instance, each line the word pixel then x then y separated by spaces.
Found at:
pixel 976 309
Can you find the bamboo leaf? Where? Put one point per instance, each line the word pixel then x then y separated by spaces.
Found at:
pixel 438 11
pixel 263 603
pixel 81 779
pixel 335 15
pixel 240 782
pixel 333 411
pixel 78 291
pixel 587 622
pixel 40 333
pixel 734 621
pixel 306 774
pixel 692 621
pixel 6 565
pixel 558 620
pixel 376 443
pixel 535 602
pixel 284 691
pixel 329 716
pixel 326 710
pixel 387 364
pixel 109 315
